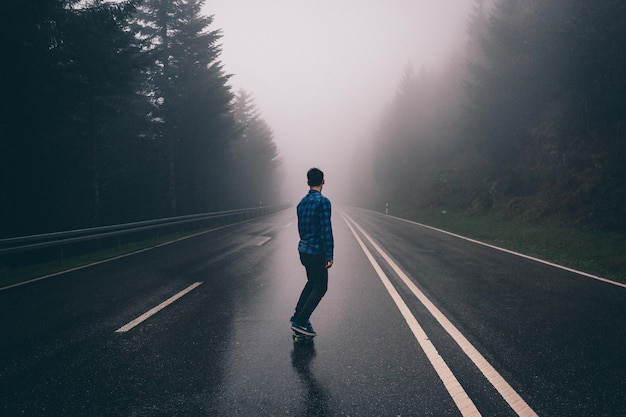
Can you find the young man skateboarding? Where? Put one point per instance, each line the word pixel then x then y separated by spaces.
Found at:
pixel 316 250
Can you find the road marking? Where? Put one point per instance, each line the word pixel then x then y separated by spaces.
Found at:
pixel 54 274
pixel 456 391
pixel 156 309
pixel 514 400
pixel 264 240
pixel 608 281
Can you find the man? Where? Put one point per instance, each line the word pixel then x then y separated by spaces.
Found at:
pixel 315 248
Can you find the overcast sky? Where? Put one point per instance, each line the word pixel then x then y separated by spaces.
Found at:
pixel 322 71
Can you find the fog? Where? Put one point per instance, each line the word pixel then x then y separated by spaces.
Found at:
pixel 322 72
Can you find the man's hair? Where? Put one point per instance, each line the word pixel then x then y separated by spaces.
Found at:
pixel 315 177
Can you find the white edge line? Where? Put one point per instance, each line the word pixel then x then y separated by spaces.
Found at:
pixel 456 391
pixel 156 309
pixel 30 281
pixel 588 275
pixel 507 392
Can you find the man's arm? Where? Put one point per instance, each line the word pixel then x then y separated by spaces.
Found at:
pixel 326 230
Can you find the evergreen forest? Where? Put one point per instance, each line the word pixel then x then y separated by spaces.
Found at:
pixel 528 122
pixel 120 112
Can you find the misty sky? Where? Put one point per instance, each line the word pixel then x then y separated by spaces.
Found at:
pixel 321 72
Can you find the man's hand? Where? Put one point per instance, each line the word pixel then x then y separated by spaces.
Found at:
pixel 329 264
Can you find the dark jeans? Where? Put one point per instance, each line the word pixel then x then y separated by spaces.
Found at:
pixel 315 288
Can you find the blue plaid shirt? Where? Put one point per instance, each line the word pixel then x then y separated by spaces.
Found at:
pixel 316 232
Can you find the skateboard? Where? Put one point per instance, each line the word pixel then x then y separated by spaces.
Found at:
pixel 301 338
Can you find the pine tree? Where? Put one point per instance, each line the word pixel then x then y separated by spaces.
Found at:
pixel 101 63
pixel 191 101
pixel 68 75
pixel 255 157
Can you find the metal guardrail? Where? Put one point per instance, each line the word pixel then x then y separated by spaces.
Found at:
pixel 61 239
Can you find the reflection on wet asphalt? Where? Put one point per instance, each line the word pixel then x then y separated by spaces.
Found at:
pixel 317 396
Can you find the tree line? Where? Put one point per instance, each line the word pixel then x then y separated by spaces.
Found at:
pixel 119 112
pixel 527 123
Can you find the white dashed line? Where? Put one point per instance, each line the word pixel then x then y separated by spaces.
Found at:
pixel 156 309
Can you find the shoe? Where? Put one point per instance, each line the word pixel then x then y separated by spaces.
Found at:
pixel 307 325
pixel 306 330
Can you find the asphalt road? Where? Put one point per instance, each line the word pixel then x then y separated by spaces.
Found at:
pixel 415 323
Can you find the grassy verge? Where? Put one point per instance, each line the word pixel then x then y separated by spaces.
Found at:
pixel 595 252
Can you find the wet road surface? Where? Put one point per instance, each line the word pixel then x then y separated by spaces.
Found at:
pixel 415 323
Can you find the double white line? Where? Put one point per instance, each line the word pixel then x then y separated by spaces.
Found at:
pixel 458 394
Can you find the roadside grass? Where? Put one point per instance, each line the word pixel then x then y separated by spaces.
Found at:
pixel 16 275
pixel 596 252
